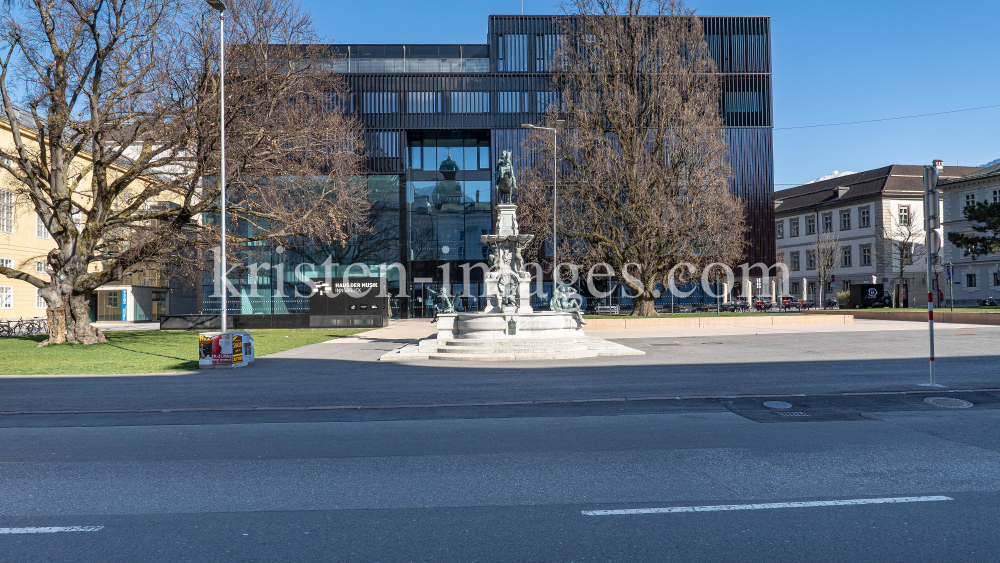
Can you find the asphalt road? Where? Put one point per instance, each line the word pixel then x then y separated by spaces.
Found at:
pixel 373 462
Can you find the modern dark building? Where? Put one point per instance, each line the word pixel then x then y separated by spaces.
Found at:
pixel 438 116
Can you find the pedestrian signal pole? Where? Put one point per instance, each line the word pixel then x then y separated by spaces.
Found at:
pixel 932 221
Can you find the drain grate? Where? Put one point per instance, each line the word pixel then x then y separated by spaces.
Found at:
pixel 948 402
pixel 711 343
pixel 791 413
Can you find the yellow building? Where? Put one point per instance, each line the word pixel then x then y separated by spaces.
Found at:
pixel 25 244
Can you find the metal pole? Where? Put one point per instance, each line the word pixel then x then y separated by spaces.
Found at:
pixel 222 171
pixel 930 224
pixel 555 206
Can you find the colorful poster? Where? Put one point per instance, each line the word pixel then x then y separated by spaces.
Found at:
pixel 217 349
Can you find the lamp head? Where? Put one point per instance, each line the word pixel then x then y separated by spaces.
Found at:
pixel 217 4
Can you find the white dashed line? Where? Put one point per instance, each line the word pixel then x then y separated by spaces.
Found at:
pixel 765 506
pixel 50 530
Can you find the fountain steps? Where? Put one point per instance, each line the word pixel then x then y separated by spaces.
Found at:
pixel 509 349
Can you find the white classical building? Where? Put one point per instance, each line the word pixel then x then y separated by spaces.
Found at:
pixel 851 208
pixel 973 279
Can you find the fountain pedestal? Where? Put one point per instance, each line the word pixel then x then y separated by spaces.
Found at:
pixel 508 328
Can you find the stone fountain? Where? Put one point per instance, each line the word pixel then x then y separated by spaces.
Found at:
pixel 508 328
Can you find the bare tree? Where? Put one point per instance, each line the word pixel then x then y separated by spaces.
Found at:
pixel 899 244
pixel 123 98
pixel 826 252
pixel 643 169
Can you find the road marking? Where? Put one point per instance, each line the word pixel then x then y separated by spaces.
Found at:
pixel 726 507
pixel 50 530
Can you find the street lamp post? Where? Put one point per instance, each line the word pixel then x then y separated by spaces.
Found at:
pixel 220 7
pixel 555 199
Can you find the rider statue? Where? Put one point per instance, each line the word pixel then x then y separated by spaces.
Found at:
pixel 506 183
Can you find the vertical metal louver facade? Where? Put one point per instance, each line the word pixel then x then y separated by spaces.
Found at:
pixel 497 86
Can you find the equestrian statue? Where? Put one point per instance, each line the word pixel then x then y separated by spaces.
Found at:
pixel 506 183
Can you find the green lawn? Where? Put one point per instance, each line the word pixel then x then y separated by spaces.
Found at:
pixel 139 351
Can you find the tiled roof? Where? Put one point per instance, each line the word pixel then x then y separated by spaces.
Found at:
pixel 982 173
pixel 24 118
pixel 895 178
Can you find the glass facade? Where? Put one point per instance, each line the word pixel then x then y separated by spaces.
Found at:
pixel 448 195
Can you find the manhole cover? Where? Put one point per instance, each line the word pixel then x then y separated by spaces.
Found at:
pixel 711 343
pixel 777 405
pixel 948 402
pixel 791 413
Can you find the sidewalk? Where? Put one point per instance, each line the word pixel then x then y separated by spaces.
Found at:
pixel 411 330
pixel 119 325
pixel 859 325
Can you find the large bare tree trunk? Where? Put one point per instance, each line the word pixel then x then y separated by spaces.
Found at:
pixel 118 151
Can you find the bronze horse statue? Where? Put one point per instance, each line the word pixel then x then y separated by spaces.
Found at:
pixel 506 183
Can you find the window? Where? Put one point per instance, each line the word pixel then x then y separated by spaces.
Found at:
pixel 39 300
pixel 779 229
pixel 40 230
pixel 864 217
pixel 810 260
pixel 6 297
pixel 810 225
pixel 41 267
pixel 546 99
pixel 796 265
pixel 742 102
pixel 906 251
pixel 996 278
pixel 970 199
pixel 793 227
pixel 512 53
pixel 845 257
pixel 6 212
pixel 381 102
pixel 793 287
pixel 470 102
pixel 847 285
pixel 904 215
pixel 996 196
pixel 113 300
pixel 866 256
pixel 6 263
pixel 970 280
pixel 337 102
pixel 845 220
pixel 512 102
pixel 423 102
pixel 546 49
pixel 827 222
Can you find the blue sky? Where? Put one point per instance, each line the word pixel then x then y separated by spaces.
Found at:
pixel 832 62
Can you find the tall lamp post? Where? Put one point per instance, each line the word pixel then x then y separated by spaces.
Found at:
pixel 220 7
pixel 555 196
